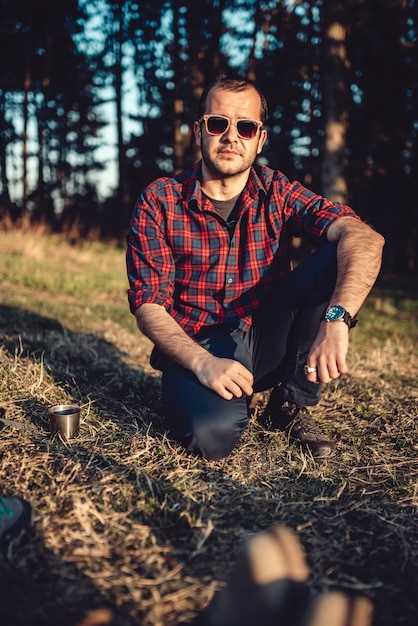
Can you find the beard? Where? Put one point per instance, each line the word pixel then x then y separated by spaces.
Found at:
pixel 221 165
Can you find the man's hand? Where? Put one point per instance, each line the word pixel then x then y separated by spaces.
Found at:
pixel 227 377
pixel 328 352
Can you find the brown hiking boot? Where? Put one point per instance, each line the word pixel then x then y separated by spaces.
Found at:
pixel 296 421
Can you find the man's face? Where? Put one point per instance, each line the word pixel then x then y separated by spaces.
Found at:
pixel 227 155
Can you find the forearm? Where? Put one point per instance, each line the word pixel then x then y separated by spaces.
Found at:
pixel 359 257
pixel 168 336
pixel 226 377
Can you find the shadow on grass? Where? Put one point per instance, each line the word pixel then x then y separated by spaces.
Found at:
pixel 163 517
pixel 40 589
pixel 126 407
pixel 86 367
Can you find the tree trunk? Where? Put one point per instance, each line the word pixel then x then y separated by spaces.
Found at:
pixel 261 23
pixel 181 139
pixel 4 195
pixel 123 196
pixel 25 182
pixel 27 84
pixel 335 114
pixel 205 30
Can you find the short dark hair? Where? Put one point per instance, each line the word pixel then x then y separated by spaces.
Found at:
pixel 232 82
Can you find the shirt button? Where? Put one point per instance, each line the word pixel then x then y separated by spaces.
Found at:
pixel 229 280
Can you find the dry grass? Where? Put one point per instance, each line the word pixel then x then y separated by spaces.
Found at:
pixel 130 530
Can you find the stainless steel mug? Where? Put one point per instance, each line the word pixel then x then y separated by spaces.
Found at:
pixel 65 420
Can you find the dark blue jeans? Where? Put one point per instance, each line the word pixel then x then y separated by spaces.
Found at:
pixel 274 350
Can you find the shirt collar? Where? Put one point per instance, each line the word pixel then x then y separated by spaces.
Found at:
pixel 192 191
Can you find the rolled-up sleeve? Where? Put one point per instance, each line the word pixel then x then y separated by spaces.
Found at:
pixel 312 214
pixel 149 260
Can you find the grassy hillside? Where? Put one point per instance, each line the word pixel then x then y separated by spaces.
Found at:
pixel 127 523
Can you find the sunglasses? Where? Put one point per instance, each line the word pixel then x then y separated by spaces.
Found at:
pixel 218 125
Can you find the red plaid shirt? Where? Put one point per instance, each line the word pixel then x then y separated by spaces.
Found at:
pixel 180 254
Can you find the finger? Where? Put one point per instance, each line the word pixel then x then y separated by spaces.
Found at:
pixel 330 370
pixel 245 373
pixel 342 366
pixel 313 377
pixel 242 377
pixel 238 387
pixel 311 372
pixel 323 375
pixel 323 372
pixel 276 554
pixel 227 389
pixel 293 553
pixel 333 370
pixel 225 394
pixel 336 609
pixel 362 612
pixel 234 388
pixel 245 386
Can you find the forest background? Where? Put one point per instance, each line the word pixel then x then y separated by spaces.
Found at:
pixel 98 98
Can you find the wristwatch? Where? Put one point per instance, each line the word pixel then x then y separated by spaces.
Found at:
pixel 337 313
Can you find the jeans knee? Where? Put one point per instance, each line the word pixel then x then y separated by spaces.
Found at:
pixel 215 440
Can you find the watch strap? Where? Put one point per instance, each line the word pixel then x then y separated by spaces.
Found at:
pixel 350 321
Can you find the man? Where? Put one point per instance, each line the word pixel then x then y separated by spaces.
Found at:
pixel 211 283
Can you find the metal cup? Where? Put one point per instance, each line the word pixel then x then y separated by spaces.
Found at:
pixel 64 419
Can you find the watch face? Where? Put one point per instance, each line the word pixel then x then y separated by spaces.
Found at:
pixel 335 313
